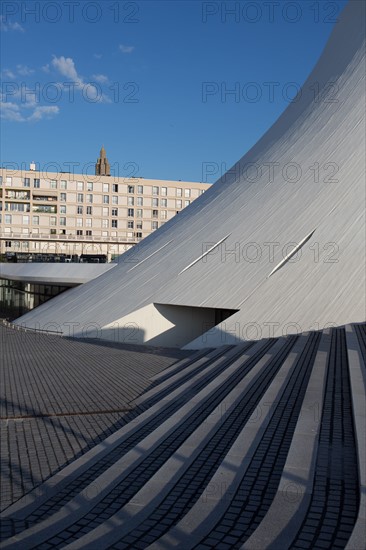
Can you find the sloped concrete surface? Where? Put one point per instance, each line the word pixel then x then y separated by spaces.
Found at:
pixel 303 183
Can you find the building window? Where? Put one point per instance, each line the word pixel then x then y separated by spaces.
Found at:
pixel 155 213
pixel 53 184
pixel 89 186
pixel 26 182
pixel 164 191
pixel 52 231
pixel 88 233
pixel 104 233
pixel 139 225
pixel 140 201
pixel 179 192
pixel 114 224
pixel 139 213
pixel 187 193
pixel 155 202
pixel 139 235
pixel 62 221
pixel 79 186
pixel 131 189
pixel 35 220
pixel 63 208
pixel 88 222
pixel 164 203
pixel 154 225
pixel 79 232
pixel 155 190
pixel 115 199
pixel 1 181
pixel 105 211
pixel 63 197
pixel 8 244
pixel 105 223
pixel 178 203
pixel 105 187
pixel 7 218
pixel 80 197
pixel 114 211
pixel 89 198
pixel 79 222
pixel 130 225
pixel 25 220
pixel 63 184
pixel 187 203
pixel 201 191
pixel 9 180
pixel 163 214
pixel 130 212
pixel 140 189
pixel 53 220
pixel 79 209
pixel 36 183
pixel 105 199
pixel 130 201
pixel 115 187
pixel 89 210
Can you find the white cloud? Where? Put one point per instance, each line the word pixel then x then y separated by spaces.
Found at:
pixel 6 26
pixel 10 111
pixel 29 98
pixel 47 111
pixel 46 68
pixel 66 66
pixel 98 56
pixel 126 49
pixel 23 70
pixel 101 78
pixel 8 74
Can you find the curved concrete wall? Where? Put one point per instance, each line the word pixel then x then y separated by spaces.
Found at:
pixel 303 182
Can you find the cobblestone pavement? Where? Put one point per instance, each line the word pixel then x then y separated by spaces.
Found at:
pixel 59 397
pixel 252 446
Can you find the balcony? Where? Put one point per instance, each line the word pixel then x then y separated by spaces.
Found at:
pixel 44 198
pixel 17 195
pixel 17 207
pixel 44 209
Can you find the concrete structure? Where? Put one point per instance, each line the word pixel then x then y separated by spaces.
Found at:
pixel 53 273
pixel 74 214
pixel 276 246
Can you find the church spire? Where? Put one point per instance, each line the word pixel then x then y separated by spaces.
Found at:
pixel 102 167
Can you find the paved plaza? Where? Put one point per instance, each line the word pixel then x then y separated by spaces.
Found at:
pixel 259 445
pixel 60 397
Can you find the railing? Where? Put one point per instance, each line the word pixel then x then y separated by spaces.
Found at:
pixel 47 237
pixel 11 325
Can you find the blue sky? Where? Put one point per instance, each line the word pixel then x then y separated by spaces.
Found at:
pixel 151 80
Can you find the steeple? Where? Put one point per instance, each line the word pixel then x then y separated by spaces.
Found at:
pixel 102 167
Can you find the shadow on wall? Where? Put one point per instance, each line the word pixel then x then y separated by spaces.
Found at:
pixel 166 325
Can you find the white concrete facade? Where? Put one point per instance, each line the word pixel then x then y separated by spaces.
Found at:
pixel 302 186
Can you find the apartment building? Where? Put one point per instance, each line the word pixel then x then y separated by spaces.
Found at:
pixel 73 214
